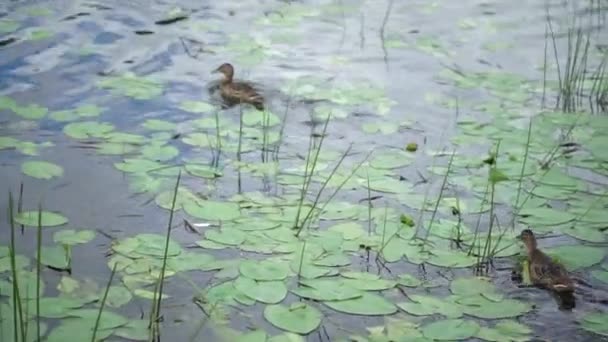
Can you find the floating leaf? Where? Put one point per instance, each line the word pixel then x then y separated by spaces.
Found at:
pixel 159 125
pixel 426 305
pixel 391 159
pixel 264 270
pixel 269 292
pixel 596 322
pixel 57 257
pixel 48 219
pixel 160 152
pixel 450 329
pixel 509 330
pixel 88 129
pixel 72 237
pixel 299 318
pixel 368 304
pixel 196 107
pixel 473 286
pixel 326 289
pixel 214 211
pixel 130 85
pixel 41 169
pixel 482 307
pixel 231 237
pixel 575 257
pixel 118 296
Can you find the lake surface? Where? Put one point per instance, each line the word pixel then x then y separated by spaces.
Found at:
pixel 356 207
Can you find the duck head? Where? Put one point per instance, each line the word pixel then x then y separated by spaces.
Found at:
pixel 226 69
pixel 528 239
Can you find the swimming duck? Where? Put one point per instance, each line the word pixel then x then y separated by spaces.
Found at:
pixel 543 270
pixel 237 92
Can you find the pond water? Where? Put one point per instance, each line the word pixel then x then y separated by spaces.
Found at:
pixel 355 207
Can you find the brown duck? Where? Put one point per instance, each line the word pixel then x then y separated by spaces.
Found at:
pixel 234 92
pixel 543 270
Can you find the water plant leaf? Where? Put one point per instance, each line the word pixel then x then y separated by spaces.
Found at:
pixel 470 286
pixel 88 129
pixel 264 270
pixel 585 232
pixel 159 125
pixel 576 257
pixel 507 330
pixel 368 304
pixel 299 318
pixel 137 165
pixel 196 107
pixel 129 84
pixel 409 280
pixel 77 329
pixel 31 111
pixel 203 171
pixel 159 151
pixel 391 159
pixel 41 169
pixel 601 275
pixel 326 289
pixel 118 296
pixel 265 118
pixel 544 216
pixel 230 237
pixel 72 237
pixel 482 307
pixel 47 218
pixel 370 284
pixel 269 292
pixel 596 322
pixel 20 263
pixel 450 329
pixel 57 257
pixel 427 305
pixel 58 307
pixel 212 210
pixel 135 330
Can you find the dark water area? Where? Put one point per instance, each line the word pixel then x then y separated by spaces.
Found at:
pixel 441 114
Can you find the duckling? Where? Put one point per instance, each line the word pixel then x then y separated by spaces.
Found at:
pixel 543 270
pixel 237 92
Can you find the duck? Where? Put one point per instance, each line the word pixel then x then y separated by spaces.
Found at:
pixel 544 271
pixel 236 92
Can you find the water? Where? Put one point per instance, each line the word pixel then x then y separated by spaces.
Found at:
pixel 399 52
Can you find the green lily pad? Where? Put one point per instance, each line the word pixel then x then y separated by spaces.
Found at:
pixel 269 292
pixel 473 286
pixel 135 165
pixel 197 107
pixel 88 129
pixel 31 112
pixel 299 318
pixel 159 125
pixel 230 237
pixel 508 330
pixel 391 159
pixel 601 275
pixel 139 88
pixel 72 237
pixel 576 257
pixel 450 329
pixel 368 304
pixel 596 322
pixel 482 307
pixel 426 305
pixel 118 296
pixel 41 169
pixel 47 218
pixel 264 270
pixel 212 210
pixel 326 290
pixel 159 151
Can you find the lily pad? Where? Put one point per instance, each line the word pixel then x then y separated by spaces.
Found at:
pixel 264 270
pixel 269 292
pixel 298 318
pixel 576 257
pixel 427 305
pixel 47 218
pixel 212 210
pixel 482 307
pixel 131 85
pixel 368 304
pixel 596 322
pixel 450 329
pixel 88 129
pixel 41 169
pixel 72 237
